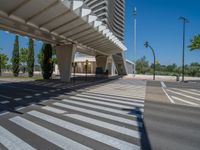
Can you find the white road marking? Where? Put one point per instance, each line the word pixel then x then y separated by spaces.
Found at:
pixel 53 137
pixel 163 84
pixel 28 96
pixel 103 103
pixel 193 93
pixel 18 87
pixel 194 98
pixel 45 92
pixel 105 125
pixel 4 113
pixel 111 100
pixel 5 97
pixel 171 100
pixel 37 94
pixel 12 142
pixel 18 99
pixel 20 108
pixel 101 108
pixel 114 96
pixel 185 101
pixel 55 110
pixel 98 114
pixel 111 141
pixel 4 102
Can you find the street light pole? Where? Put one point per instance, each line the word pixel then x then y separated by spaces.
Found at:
pixel 0 61
pixel 146 44
pixel 185 20
pixel 135 36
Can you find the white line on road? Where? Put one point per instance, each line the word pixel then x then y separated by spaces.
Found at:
pixel 103 103
pixel 194 98
pixel 163 84
pixel 185 101
pixel 171 100
pixel 193 93
pixel 111 100
pixel 53 137
pixel 102 108
pixel 5 97
pixel 105 125
pixel 55 110
pixel 4 102
pixel 113 96
pixel 98 114
pixel 111 141
pixel 12 142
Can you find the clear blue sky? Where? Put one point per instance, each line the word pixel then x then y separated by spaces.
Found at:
pixel 157 22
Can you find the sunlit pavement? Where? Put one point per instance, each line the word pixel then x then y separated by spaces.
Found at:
pixel 104 114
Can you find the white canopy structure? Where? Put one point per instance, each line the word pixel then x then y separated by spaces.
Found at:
pixel 60 22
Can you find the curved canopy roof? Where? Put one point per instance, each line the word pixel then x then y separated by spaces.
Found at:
pixel 59 22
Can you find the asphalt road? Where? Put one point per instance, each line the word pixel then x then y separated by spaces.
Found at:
pixel 171 126
pixel 115 114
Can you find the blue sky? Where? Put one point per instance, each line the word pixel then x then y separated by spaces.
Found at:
pixel 157 22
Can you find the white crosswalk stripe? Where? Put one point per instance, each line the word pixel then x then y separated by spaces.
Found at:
pixel 12 142
pixel 111 141
pixel 48 135
pixel 103 103
pixel 111 100
pixel 98 114
pixel 110 119
pixel 102 124
pixel 102 108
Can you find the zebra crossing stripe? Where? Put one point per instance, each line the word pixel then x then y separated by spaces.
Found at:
pixel 98 114
pixel 105 125
pixel 179 99
pixel 53 137
pixel 104 103
pixel 111 141
pixel 110 96
pixel 102 108
pixel 112 100
pixel 55 110
pixel 12 142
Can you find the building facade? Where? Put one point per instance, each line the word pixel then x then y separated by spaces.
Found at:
pixel 111 12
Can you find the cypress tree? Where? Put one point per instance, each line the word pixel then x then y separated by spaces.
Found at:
pixel 30 61
pixel 15 57
pixel 47 63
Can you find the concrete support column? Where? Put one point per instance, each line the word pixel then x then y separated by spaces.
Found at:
pixel 65 55
pixel 101 61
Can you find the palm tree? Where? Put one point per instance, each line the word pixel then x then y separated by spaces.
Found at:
pixel 195 43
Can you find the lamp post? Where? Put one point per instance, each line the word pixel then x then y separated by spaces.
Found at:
pixel 0 61
pixel 135 36
pixel 184 20
pixel 146 44
pixel 74 64
pixel 86 69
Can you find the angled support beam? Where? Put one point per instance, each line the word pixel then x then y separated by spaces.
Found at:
pixel 52 19
pixel 42 11
pixel 18 7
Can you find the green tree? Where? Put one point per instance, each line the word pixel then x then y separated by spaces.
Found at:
pixel 47 63
pixel 23 57
pixel 195 43
pixel 15 57
pixel 4 60
pixel 142 65
pixel 30 62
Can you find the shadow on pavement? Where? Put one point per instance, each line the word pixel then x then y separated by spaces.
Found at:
pixel 16 95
